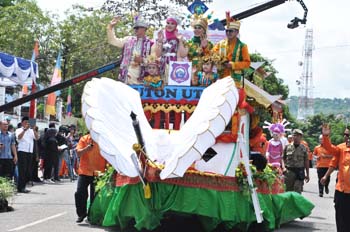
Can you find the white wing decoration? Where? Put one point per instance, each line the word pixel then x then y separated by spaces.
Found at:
pixel 107 104
pixel 213 112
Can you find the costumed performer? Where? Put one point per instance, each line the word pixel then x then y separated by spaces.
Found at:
pixel 135 49
pixel 233 53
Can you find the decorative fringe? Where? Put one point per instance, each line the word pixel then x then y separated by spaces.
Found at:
pixel 147 191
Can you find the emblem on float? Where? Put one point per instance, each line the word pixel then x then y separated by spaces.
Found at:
pixel 180 73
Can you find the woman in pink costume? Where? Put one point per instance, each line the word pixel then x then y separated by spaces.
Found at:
pixel 275 149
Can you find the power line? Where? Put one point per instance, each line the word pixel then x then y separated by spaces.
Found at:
pixel 315 49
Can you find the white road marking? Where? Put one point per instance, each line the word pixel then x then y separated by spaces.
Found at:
pixel 37 222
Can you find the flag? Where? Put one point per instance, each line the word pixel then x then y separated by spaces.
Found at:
pixel 56 78
pixel 32 107
pixel 69 102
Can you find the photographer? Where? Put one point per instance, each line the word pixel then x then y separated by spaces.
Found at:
pixel 25 137
pixel 63 150
pixel 91 163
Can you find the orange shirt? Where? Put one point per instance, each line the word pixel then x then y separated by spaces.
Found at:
pixel 225 49
pixel 91 160
pixel 341 159
pixel 322 162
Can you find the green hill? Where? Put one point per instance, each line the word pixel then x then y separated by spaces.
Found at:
pixel 325 106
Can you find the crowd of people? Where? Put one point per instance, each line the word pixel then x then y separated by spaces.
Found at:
pixel 25 154
pixel 293 157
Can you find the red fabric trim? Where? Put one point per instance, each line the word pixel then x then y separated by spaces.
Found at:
pixel 196 180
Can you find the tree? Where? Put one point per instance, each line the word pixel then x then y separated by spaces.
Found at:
pixel 273 86
pixel 84 45
pixel 153 11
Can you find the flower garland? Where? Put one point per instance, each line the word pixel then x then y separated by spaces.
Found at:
pixel 268 175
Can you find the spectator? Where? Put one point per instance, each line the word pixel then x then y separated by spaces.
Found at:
pixel 323 160
pixel 8 153
pixel 51 152
pixel 340 160
pixel 35 160
pixel 63 148
pixel 25 137
pixel 91 162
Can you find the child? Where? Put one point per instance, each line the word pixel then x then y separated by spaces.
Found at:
pixel 207 76
pixel 275 149
pixel 153 79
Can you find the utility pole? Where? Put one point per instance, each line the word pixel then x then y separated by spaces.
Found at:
pixel 306 101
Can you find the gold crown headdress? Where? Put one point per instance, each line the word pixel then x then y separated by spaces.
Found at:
pixel 152 59
pixel 200 20
pixel 232 23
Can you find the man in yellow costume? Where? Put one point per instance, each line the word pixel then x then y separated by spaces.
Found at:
pixel 233 53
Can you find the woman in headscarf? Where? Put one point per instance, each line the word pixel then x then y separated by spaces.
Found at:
pixel 170 47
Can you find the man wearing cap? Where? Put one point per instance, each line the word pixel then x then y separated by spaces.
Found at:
pixel 233 53
pixel 340 160
pixel 296 163
pixel 135 50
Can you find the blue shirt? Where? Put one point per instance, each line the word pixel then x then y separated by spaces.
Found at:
pixel 7 140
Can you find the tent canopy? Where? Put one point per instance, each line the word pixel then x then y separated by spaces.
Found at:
pixel 16 70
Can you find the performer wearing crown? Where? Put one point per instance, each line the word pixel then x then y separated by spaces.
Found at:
pixel 233 53
pixel 135 50
pixel 153 79
pixel 207 76
pixel 199 46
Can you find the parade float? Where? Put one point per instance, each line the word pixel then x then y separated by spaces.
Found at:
pixel 204 169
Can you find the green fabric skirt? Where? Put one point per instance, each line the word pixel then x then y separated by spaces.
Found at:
pixel 116 206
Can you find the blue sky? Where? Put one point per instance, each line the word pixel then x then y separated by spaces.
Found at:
pixel 268 34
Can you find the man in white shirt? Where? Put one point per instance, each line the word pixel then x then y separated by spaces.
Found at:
pixel 25 137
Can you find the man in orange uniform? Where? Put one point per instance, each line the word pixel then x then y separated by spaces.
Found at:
pixel 323 159
pixel 233 52
pixel 341 159
pixel 91 162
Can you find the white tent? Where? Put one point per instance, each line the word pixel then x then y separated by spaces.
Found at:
pixel 16 70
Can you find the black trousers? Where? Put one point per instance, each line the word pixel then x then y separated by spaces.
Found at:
pixel 342 206
pixel 24 169
pixel 320 173
pixel 81 195
pixel 7 167
pixel 49 161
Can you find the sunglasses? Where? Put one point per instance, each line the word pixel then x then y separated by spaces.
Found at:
pixel 231 30
pixel 346 135
pixel 136 28
pixel 197 27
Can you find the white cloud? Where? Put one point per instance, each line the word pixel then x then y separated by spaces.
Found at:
pixel 268 34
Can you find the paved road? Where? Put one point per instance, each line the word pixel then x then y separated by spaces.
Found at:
pixel 50 208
